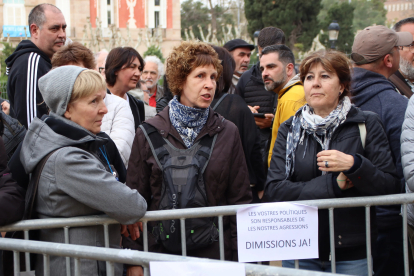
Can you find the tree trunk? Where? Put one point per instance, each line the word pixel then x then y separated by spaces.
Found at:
pixel 213 17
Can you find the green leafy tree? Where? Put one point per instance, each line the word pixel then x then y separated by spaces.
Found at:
pixel 298 19
pixel 343 14
pixel 7 51
pixel 154 51
pixel 368 13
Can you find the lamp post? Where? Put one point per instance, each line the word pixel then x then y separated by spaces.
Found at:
pixel 333 31
pixel 256 36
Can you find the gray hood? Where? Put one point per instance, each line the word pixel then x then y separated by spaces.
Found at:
pixel 53 133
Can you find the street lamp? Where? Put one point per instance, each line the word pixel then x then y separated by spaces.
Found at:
pixel 256 37
pixel 333 31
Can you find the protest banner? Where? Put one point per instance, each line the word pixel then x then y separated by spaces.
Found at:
pixel 196 268
pixel 277 231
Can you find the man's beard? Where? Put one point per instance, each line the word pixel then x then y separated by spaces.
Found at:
pixel 275 84
pixel 407 68
pixel 150 86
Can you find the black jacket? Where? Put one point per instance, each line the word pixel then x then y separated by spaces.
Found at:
pixel 138 110
pixel 234 109
pixel 374 175
pixel 25 67
pixel 12 196
pixel 251 88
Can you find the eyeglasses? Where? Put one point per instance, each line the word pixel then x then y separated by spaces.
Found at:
pixel 410 48
pixel 101 69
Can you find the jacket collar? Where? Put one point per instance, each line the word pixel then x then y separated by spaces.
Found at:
pixel 292 82
pixel 214 124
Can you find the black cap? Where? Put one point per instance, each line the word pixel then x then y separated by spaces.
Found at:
pixel 237 43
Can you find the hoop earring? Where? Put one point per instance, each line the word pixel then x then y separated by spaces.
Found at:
pixel 340 93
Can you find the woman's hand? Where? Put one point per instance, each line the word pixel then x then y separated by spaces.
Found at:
pixel 344 182
pixel 135 271
pixel 337 161
pixel 5 106
pixel 132 229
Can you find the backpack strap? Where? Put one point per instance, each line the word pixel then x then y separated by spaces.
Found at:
pixel 33 186
pixel 219 101
pixel 363 133
pixel 207 145
pixel 155 141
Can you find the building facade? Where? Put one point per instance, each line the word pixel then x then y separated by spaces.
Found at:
pixel 103 24
pixel 398 9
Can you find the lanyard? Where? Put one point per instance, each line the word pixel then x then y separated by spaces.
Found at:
pixel 107 161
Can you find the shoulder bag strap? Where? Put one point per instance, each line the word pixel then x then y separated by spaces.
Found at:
pixel 155 141
pixel 219 101
pixel 401 86
pixel 33 186
pixel 363 133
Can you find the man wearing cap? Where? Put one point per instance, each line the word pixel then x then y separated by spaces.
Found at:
pixel 241 51
pixel 376 56
pixel 403 79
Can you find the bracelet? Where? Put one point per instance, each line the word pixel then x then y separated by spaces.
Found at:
pixel 341 180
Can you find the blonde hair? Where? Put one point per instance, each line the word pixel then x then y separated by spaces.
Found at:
pixel 87 83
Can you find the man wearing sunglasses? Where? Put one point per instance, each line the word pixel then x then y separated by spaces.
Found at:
pixel 403 79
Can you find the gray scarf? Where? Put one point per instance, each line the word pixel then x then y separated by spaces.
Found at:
pixel 306 121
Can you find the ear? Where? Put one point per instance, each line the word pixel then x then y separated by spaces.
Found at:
pixel 68 112
pixel 34 30
pixel 290 69
pixel 388 60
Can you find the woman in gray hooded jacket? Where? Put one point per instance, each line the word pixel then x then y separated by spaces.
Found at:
pixel 75 181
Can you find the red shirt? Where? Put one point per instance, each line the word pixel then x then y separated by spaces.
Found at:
pixel 152 101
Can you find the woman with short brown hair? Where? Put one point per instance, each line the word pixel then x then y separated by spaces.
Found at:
pixel 322 152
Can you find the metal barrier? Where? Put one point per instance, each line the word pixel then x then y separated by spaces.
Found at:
pixel 219 212
pixel 131 257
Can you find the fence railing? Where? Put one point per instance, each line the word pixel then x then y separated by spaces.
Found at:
pixel 219 212
pixel 131 257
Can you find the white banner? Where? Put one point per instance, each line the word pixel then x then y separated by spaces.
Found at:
pixel 277 231
pixel 196 269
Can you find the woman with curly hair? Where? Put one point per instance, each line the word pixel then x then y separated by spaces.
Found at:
pixel 185 125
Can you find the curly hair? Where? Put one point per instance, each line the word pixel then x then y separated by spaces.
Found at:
pixel 185 58
pixel 332 61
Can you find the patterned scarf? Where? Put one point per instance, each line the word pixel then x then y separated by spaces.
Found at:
pixel 306 121
pixel 188 121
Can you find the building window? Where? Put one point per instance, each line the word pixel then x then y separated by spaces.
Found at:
pixel 106 12
pixel 156 19
pixel 157 3
pixel 14 14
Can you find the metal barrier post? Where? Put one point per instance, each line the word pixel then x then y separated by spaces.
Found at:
pixel 110 270
pixel 77 267
pixel 46 265
pixel 368 235
pixel 183 239
pixel 405 240
pixel 296 264
pixel 332 239
pixel 221 237
pixel 66 233
pixel 16 263
pixel 145 233
pixel 27 254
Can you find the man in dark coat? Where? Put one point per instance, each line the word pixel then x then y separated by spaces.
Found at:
pixel 404 77
pixel 251 88
pixel 376 58
pixel 32 59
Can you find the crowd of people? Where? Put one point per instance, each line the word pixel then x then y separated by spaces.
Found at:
pixel 103 136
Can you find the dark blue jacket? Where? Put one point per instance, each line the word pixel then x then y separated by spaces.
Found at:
pixel 373 92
